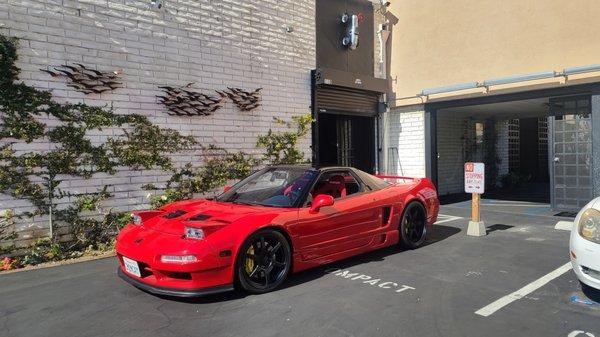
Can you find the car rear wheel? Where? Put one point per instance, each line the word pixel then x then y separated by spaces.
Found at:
pixel 413 227
pixel 263 262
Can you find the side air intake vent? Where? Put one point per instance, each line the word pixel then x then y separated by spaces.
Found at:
pixel 174 214
pixel 385 219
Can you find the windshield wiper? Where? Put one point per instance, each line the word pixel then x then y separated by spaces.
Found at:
pixel 250 203
pixel 237 202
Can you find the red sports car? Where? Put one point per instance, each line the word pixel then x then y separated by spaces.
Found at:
pixel 279 220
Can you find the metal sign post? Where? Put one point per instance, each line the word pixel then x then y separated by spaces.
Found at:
pixel 475 184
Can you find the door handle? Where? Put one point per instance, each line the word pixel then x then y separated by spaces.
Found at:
pixel 556 159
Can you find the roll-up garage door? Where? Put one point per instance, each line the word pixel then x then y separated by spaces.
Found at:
pixel 331 99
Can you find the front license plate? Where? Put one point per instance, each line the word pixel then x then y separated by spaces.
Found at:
pixel 132 267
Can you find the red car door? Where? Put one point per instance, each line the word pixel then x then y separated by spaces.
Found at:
pixel 347 224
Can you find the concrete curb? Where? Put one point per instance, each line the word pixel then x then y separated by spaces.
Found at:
pixel 60 263
pixel 564 225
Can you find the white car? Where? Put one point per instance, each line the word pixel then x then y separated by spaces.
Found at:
pixel 585 244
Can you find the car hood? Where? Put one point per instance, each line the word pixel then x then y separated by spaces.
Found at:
pixel 596 204
pixel 209 215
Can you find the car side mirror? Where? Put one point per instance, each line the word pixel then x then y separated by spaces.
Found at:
pixel 226 188
pixel 321 200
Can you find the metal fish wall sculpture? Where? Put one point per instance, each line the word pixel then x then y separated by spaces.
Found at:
pixel 245 100
pixel 87 80
pixel 184 101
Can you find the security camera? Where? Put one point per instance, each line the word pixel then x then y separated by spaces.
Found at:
pixel 156 4
pixel 384 3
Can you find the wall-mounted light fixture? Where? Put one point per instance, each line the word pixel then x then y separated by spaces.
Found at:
pixel 449 88
pixel 582 69
pixel 519 78
pixel 350 39
pixel 156 4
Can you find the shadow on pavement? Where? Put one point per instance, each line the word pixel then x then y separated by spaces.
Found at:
pixel 436 234
pixel 498 227
pixel 591 293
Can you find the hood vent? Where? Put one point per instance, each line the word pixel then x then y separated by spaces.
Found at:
pixel 199 217
pixel 174 214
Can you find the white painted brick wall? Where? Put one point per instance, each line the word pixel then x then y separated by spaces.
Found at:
pixel 213 43
pixel 405 131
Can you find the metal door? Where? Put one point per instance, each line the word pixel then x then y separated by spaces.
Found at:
pixel 571 153
pixel 345 147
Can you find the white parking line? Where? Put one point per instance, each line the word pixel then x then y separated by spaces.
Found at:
pixel 526 290
pixel 508 205
pixel 446 218
pixel 580 333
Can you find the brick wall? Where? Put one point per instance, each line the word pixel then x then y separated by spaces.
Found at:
pixel 213 43
pixel 405 132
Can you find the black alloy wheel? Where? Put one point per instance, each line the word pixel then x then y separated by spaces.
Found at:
pixel 264 261
pixel 413 226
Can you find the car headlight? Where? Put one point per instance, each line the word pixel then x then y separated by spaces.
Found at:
pixel 589 225
pixel 178 258
pixel 194 233
pixel 139 217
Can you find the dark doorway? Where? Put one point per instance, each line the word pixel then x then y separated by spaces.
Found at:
pixel 346 140
pixel 531 165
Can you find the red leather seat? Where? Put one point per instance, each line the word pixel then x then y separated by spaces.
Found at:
pixel 335 187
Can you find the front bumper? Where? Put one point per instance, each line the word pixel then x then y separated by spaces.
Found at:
pixel 585 277
pixel 145 247
pixel 586 264
pixel 172 291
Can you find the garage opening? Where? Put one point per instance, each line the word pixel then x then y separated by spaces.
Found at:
pixel 536 150
pixel 345 133
pixel 347 140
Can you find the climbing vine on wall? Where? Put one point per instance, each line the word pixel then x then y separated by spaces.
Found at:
pixel 218 167
pixel 30 116
pixel 82 142
pixel 282 147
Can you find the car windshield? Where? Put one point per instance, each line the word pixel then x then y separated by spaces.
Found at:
pixel 273 187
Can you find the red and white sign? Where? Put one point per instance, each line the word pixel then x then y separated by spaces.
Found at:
pixel 474 178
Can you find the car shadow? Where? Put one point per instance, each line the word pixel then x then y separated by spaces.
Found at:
pixel 591 293
pixel 436 234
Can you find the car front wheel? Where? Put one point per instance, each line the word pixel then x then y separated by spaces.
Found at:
pixel 264 261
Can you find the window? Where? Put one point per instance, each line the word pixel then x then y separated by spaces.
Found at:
pixel 479 135
pixel 371 182
pixel 272 187
pixel 338 184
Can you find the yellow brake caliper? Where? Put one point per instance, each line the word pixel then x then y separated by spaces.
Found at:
pixel 249 261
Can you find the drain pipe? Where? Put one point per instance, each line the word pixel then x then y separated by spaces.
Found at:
pixel 383 33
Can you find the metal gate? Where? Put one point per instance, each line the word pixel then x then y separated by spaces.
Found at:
pixel 344 142
pixel 346 101
pixel 571 152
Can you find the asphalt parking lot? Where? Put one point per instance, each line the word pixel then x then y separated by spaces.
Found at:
pixel 511 282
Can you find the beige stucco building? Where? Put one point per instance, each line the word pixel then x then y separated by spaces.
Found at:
pixel 513 84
